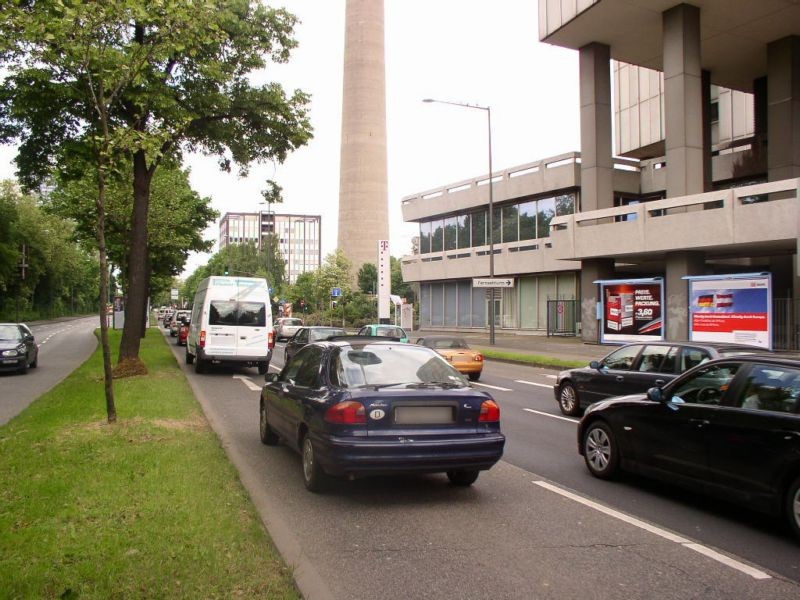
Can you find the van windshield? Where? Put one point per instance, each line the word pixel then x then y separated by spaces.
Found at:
pixel 231 312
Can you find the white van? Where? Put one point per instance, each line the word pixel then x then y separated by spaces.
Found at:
pixel 231 323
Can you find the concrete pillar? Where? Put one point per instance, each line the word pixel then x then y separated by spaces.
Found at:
pixel 708 179
pixel 783 108
pixel 597 165
pixel 683 101
pixel 363 188
pixel 676 311
pixel 592 270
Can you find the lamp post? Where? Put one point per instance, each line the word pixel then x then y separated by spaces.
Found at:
pixel 270 232
pixel 488 110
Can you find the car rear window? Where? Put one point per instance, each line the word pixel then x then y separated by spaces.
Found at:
pixel 230 312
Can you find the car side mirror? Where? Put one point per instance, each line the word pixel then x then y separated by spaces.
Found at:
pixel 655 394
pixel 270 377
pixel 594 364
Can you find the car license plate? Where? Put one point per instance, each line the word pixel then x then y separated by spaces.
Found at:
pixel 423 415
pixel 11 361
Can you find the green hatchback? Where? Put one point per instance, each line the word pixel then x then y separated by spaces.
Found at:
pixel 390 331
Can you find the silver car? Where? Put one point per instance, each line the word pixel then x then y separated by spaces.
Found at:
pixel 286 327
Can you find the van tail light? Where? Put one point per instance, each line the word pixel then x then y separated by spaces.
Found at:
pixel 203 339
pixel 271 339
pixel 478 358
pixel 346 413
pixel 490 412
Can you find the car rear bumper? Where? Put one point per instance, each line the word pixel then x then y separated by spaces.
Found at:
pixel 363 456
pixel 232 358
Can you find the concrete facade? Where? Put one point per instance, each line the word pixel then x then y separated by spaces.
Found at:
pixel 363 188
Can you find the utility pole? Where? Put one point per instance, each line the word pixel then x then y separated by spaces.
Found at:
pixel 23 264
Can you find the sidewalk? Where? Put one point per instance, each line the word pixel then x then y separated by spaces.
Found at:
pixel 560 347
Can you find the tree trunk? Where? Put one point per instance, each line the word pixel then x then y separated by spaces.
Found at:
pixel 137 261
pixel 108 377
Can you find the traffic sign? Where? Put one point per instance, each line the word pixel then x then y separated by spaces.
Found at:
pixel 493 282
pixel 336 292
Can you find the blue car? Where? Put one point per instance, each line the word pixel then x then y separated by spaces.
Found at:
pixel 355 408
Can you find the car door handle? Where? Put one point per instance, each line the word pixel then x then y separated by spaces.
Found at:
pixel 700 422
pixel 619 378
pixel 659 382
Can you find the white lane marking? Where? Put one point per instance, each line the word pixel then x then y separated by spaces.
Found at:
pixel 552 376
pixel 544 414
pixel 246 380
pixel 544 385
pixel 276 368
pixel 704 550
pixel 492 387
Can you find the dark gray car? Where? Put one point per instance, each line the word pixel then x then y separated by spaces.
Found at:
pixel 18 349
pixel 635 368
pixel 306 335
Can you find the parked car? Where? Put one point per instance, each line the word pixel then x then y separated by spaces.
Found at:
pixel 457 352
pixel 306 335
pixel 356 408
pixel 379 330
pixel 634 368
pixel 183 331
pixel 286 327
pixel 18 349
pixel 729 427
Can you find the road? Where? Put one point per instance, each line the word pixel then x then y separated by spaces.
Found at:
pixel 63 347
pixel 535 526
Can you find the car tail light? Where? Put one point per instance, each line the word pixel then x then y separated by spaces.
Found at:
pixel 490 412
pixel 203 339
pixel 478 358
pixel 271 339
pixel 346 413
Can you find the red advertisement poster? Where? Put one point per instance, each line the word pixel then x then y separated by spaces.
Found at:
pixel 632 311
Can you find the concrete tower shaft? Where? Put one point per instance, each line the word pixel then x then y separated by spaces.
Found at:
pixel 363 192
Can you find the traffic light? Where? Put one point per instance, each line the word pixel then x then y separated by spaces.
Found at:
pixel 333 303
pixel 226 270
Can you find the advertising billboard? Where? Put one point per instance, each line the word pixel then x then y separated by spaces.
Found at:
pixel 631 310
pixel 731 308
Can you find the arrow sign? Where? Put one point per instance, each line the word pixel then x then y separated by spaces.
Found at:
pixel 246 380
pixel 493 282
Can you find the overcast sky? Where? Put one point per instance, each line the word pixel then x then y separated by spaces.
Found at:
pixel 470 51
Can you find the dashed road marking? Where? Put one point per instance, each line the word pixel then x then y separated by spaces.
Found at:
pixel 544 414
pixel 668 535
pixel 246 380
pixel 492 387
pixel 544 385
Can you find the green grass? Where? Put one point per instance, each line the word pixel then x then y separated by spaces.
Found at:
pixel 148 507
pixel 531 359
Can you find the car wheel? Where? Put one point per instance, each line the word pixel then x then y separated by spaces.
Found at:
pixel 568 400
pixel 793 506
pixel 189 357
pixel 600 450
pixel 35 362
pixel 474 376
pixel 263 367
pixel 285 356
pixel 268 437
pixel 314 478
pixel 199 365
pixel 463 478
pixel 24 368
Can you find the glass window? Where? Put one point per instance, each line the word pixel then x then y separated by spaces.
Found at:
pixel 691 357
pixel 652 358
pixel 373 364
pixel 478 228
pixel 565 204
pixel 527 220
pixel 307 373
pixel 546 212
pixel 510 223
pixel 671 361
pixel 463 225
pixel 706 386
pixel 497 224
pixel 222 312
pixel 450 233
pixel 773 388
pixel 425 237
pixel 622 359
pixel 437 235
pixel 252 314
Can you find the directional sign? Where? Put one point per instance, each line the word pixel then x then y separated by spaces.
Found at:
pixel 493 282
pixel 336 292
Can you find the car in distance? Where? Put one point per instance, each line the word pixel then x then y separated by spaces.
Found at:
pixel 634 368
pixel 177 320
pixel 18 349
pixel 183 331
pixel 457 352
pixel 286 327
pixel 306 335
pixel 729 427
pixel 362 406
pixel 378 330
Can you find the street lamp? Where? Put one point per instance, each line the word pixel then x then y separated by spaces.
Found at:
pixel 488 110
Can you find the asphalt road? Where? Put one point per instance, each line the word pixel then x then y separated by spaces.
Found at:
pixel 63 347
pixel 535 526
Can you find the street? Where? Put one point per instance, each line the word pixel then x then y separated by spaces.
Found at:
pixel 536 525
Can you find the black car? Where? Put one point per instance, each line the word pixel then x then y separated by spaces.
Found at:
pixel 635 368
pixel 306 335
pixel 730 428
pixel 18 349
pixel 368 407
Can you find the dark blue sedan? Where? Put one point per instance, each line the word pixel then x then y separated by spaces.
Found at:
pixel 358 408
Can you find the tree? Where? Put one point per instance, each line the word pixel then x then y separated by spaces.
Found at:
pixel 368 278
pixel 179 74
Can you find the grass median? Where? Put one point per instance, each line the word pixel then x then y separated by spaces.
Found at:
pixel 531 359
pixel 148 507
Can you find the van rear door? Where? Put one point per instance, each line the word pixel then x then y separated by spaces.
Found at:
pixel 221 335
pixel 252 330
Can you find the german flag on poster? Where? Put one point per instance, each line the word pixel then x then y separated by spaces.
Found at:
pixel 705 301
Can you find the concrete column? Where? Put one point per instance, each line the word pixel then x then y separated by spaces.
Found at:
pixel 783 108
pixel 676 311
pixel 592 270
pixel 683 101
pixel 597 165
pixel 363 188
pixel 708 179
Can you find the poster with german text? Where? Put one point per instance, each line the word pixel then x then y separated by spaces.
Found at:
pixel 632 312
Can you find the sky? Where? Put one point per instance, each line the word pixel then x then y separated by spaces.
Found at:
pixel 470 51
